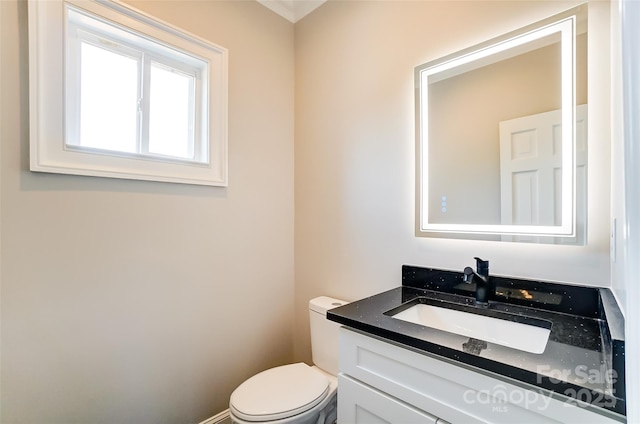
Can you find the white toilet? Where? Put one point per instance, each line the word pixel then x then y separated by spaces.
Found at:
pixel 296 393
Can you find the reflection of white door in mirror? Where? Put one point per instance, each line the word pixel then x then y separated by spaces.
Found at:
pixel 530 173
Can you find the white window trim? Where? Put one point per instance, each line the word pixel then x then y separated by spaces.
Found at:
pixel 47 99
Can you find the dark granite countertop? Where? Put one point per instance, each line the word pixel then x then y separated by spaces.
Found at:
pixel 583 358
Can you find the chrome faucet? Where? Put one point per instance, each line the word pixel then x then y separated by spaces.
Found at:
pixel 481 277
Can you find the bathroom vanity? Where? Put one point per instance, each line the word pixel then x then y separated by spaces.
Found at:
pixel 562 359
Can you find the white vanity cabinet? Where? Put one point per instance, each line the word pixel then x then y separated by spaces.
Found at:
pixel 382 382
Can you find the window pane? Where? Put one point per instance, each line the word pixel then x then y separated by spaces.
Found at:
pixel 109 99
pixel 171 113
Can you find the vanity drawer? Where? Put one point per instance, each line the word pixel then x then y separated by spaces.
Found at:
pixel 360 404
pixel 449 391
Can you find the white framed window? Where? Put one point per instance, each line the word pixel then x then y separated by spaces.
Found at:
pixel 117 93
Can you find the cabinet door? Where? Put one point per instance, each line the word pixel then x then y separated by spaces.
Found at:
pixel 361 404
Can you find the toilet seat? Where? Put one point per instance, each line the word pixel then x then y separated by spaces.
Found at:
pixel 279 393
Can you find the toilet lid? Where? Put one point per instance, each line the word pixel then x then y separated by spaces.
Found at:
pixel 279 393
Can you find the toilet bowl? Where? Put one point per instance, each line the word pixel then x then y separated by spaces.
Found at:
pixel 295 393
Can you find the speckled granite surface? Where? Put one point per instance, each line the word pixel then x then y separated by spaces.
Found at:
pixel 583 359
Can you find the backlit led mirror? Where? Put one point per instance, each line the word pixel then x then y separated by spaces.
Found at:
pixel 501 136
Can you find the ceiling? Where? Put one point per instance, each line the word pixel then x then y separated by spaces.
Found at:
pixel 292 10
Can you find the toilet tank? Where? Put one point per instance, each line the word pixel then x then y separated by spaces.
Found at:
pixel 324 333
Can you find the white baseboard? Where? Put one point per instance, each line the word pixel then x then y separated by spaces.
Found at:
pixel 221 418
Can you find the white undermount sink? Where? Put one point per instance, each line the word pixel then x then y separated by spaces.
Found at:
pixel 517 335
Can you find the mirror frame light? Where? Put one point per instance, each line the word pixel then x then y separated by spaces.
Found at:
pixel 564 24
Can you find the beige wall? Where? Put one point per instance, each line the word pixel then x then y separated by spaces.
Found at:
pixel 138 302
pixel 355 154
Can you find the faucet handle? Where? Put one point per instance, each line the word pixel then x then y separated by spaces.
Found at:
pixel 468 275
